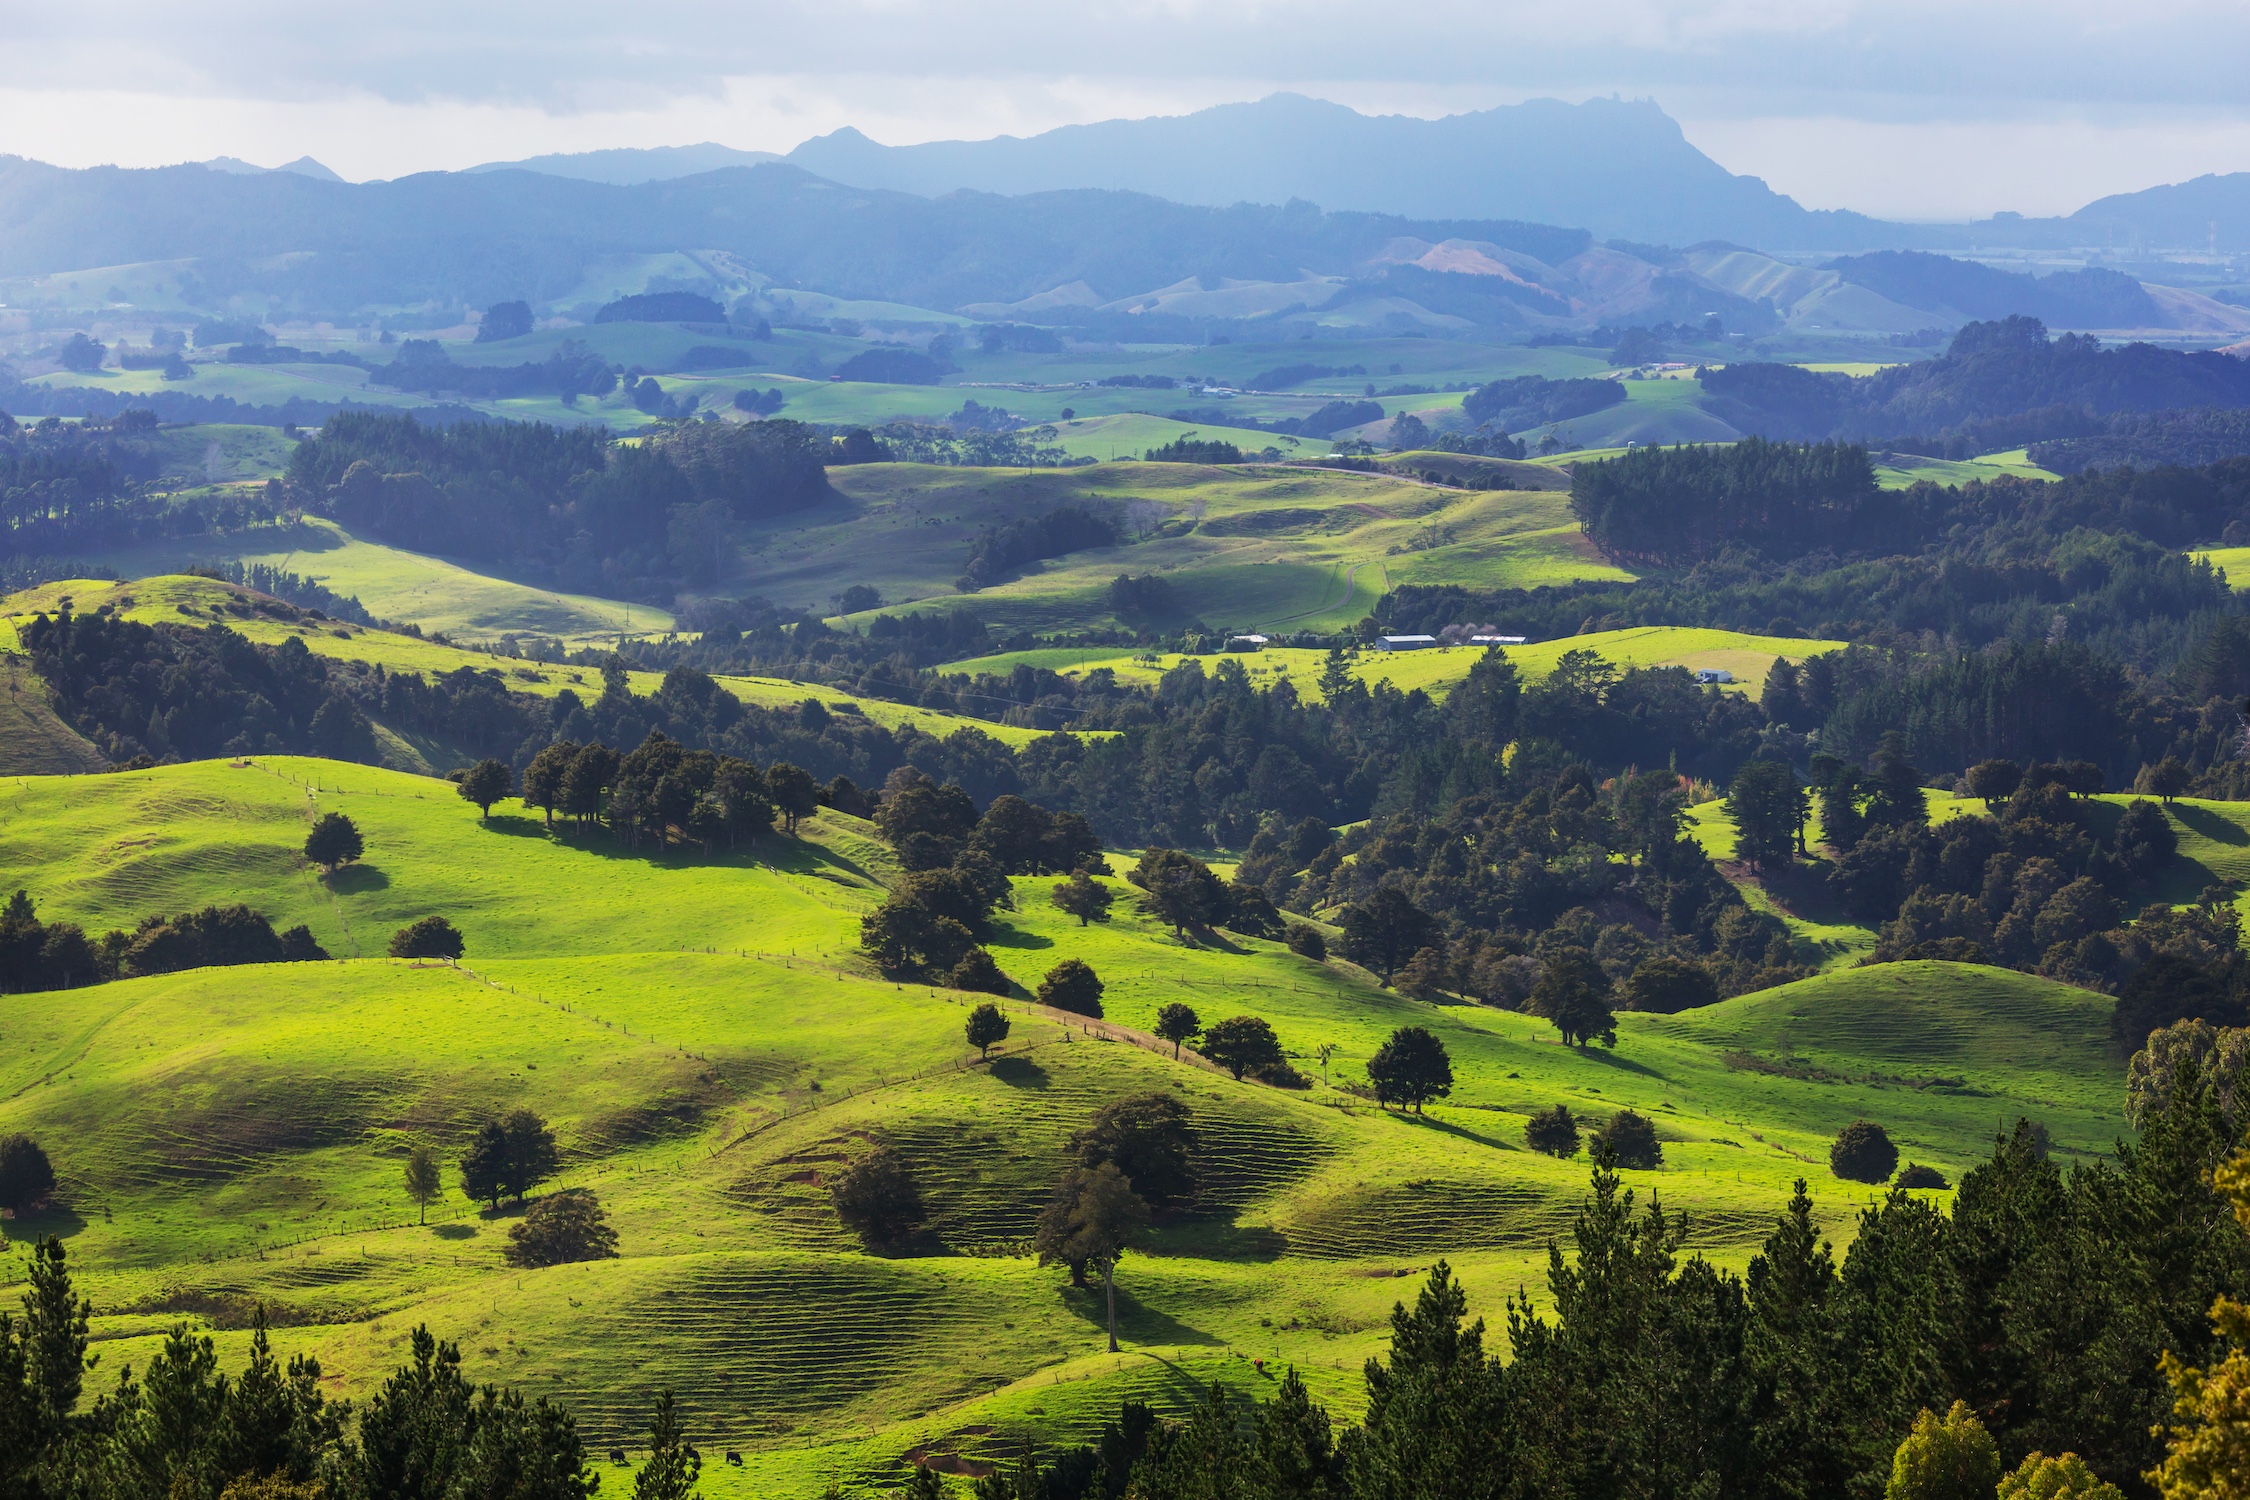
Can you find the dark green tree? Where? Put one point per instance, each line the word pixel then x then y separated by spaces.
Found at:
pixel 673 1466
pixel 1554 1131
pixel 1439 1425
pixel 986 1028
pixel 1181 890
pixel 1243 1044
pixel 1148 1138
pixel 532 1154
pixel 793 793
pixel 1664 985
pixel 1630 1138
pixel 543 778
pixel 1089 1221
pixel 1572 996
pixel 1177 1023
pixel 979 973
pixel 26 1176
pixel 1385 930
pixel 425 1180
pixel 484 1166
pixel 430 937
pixel 1072 985
pixel 334 842
pixel 1863 1152
pixel 1768 811
pixel 560 1229
pixel 877 1200
pixel 1083 897
pixel 1411 1067
pixel 485 783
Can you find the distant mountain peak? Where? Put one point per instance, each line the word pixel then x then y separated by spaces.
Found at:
pixel 303 166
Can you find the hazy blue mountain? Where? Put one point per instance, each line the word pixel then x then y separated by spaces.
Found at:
pixel 1619 168
pixel 303 166
pixel 626 165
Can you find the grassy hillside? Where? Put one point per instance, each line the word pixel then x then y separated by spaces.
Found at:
pixel 180 598
pixel 1749 657
pixel 708 1048
pixel 440 596
pixel 1243 547
pixel 33 741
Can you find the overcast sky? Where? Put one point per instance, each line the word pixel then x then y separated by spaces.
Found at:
pixel 1904 108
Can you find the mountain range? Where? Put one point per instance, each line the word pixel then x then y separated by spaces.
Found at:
pixel 1622 169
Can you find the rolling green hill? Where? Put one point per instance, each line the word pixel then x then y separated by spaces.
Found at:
pixel 709 1047
pixel 1239 546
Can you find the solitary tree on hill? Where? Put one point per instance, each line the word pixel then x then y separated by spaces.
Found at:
pixel 1083 897
pixel 1631 1138
pixel 555 1231
pixel 334 842
pixel 1087 1224
pixel 1411 1068
pixel 26 1176
pixel 1072 985
pixel 987 1027
pixel 1177 1023
pixel 876 1199
pixel 425 1184
pixel 431 937
pixel 1243 1044
pixel 1863 1153
pixel 485 783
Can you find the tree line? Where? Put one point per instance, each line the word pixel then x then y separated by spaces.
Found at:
pixel 37 955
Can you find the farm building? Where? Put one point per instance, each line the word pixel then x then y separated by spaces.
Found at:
pixel 1713 674
pixel 1246 643
pixel 1405 642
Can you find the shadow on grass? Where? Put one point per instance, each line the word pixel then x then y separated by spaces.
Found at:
pixel 773 851
pixel 354 880
pixel 57 1219
pixel 1136 1320
pixel 454 1231
pixel 1019 1072
pixel 1448 1127
pixel 2210 825
pixel 516 826
pixel 1015 937
pixel 1609 1059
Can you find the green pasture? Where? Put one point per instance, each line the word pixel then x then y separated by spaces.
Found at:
pixel 1435 670
pixel 1248 546
pixel 1899 471
pixel 709 1048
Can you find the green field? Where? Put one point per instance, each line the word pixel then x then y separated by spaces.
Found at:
pixel 1900 471
pixel 1241 547
pixel 1749 657
pixel 707 1046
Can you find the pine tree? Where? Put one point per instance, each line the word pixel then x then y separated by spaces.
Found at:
pixel 673 1466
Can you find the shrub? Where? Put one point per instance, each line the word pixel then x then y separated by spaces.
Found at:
pixel 1863 1153
pixel 26 1176
pixel 1631 1138
pixel 1554 1131
pixel 876 1198
pixel 1918 1176
pixel 432 937
pixel 564 1227
pixel 978 974
pixel 299 946
pixel 1665 986
pixel 1306 942
pixel 1072 985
